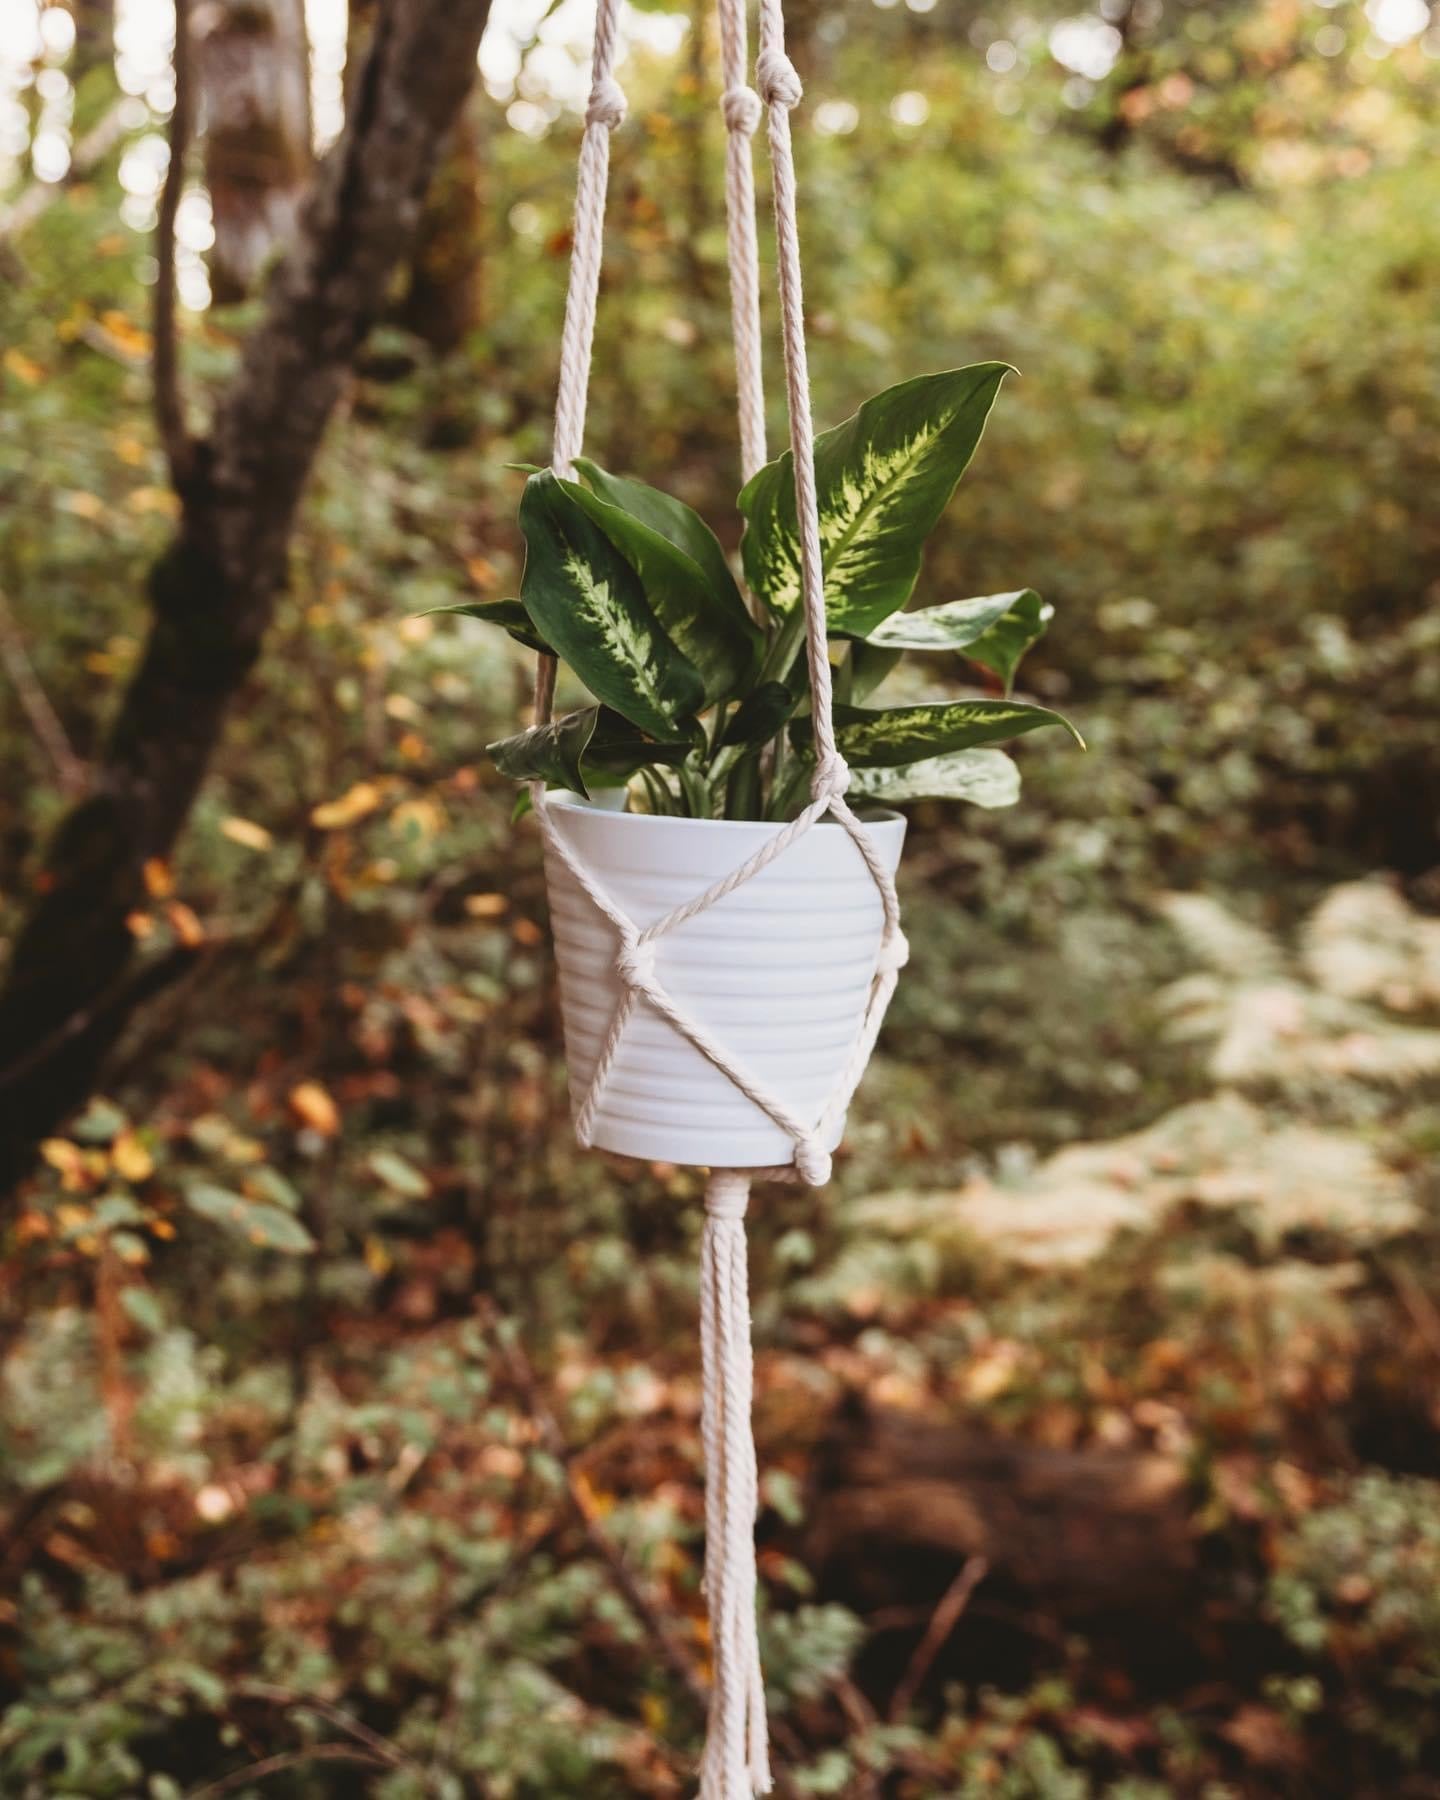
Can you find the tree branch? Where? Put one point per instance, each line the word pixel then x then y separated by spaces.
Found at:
pixel 944 1620
pixel 44 720
pixel 276 1765
pixel 168 399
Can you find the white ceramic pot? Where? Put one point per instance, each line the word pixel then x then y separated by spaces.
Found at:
pixel 779 971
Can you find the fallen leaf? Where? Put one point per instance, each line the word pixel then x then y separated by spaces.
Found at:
pixel 313 1106
pixel 348 809
pixel 159 882
pixel 185 923
pixel 23 369
pixel 130 1158
pixel 246 833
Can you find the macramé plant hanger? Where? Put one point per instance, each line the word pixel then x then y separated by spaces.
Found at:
pixel 585 897
pixel 723 980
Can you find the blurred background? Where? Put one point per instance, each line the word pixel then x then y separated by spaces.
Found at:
pixel 349 1415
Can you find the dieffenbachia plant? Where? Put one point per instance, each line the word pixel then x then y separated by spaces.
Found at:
pixel 705 710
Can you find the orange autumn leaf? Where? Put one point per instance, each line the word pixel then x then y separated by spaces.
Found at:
pixel 313 1106
pixel 348 809
pixel 185 923
pixel 23 368
pixel 159 882
pixel 246 833
pixel 130 1158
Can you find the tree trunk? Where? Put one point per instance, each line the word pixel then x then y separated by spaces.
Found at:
pixel 443 301
pixel 94 37
pixel 70 983
pixel 254 65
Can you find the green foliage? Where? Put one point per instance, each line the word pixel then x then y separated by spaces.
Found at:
pixel 1358 1589
pixel 648 616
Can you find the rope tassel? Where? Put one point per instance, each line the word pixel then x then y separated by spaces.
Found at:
pixel 737 1758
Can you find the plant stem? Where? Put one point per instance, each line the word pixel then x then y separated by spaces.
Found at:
pixel 781 653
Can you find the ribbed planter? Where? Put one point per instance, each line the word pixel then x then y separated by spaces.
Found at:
pixel 779 971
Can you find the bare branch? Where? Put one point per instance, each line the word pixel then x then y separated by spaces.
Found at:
pixel 44 720
pixel 944 1620
pixel 169 400
pixel 381 1748
pixel 276 1765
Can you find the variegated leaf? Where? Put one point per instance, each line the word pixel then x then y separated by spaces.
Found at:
pixel 906 734
pixel 586 602
pixel 994 630
pixel 883 478
pixel 594 744
pixel 674 520
pixel 983 777
pixel 717 636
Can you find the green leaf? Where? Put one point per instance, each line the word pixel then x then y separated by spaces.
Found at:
pixel 586 601
pixel 100 1123
pixel 761 714
pixel 865 669
pixel 143 1309
pixel 509 615
pixel 713 631
pixel 274 1187
pixel 905 734
pixel 674 520
pixel 883 478
pixel 1003 647
pixel 994 630
pixel 266 1227
pixel 593 744
pixel 400 1176
pixel 983 777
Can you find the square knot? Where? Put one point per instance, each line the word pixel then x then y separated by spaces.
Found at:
pixel 832 777
pixel 607 103
pixel 635 962
pixel 776 78
pixel 894 952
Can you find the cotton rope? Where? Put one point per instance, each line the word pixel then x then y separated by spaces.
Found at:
pixel 736 1762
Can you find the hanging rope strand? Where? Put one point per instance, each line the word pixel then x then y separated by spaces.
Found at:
pixel 741 107
pixel 603 113
pixel 737 1761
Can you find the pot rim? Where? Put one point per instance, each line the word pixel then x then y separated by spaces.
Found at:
pixel 877 817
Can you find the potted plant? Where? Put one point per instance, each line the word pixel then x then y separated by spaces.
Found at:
pixel 696 747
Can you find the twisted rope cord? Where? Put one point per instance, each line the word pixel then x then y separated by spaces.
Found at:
pixel 736 1762
pixel 604 113
pixel 742 112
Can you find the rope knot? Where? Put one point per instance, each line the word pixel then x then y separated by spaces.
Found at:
pixel 812 1161
pixel 727 1194
pixel 607 103
pixel 894 952
pixel 832 777
pixel 741 107
pixel 776 78
pixel 635 962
